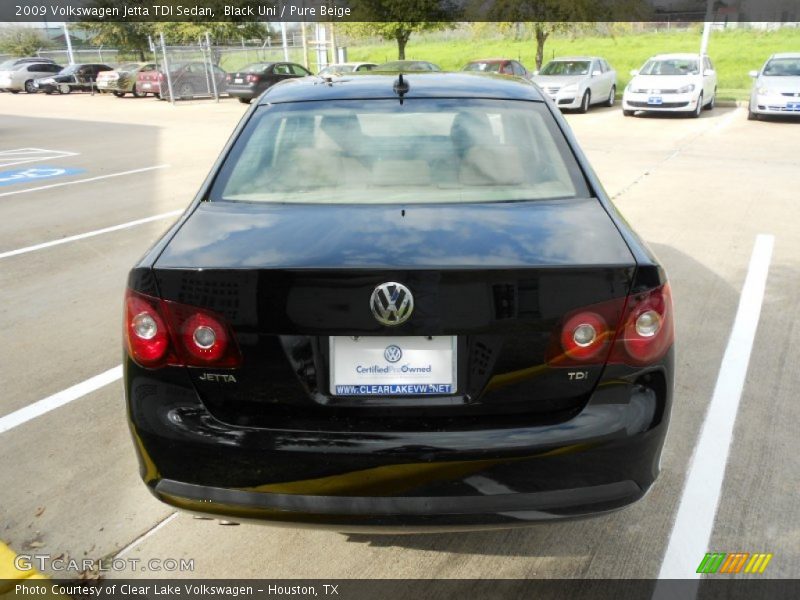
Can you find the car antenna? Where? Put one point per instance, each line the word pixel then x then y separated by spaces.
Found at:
pixel 401 87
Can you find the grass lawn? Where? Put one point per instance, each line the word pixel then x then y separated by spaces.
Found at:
pixel 734 52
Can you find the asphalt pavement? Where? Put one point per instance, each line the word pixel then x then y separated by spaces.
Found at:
pixel 101 178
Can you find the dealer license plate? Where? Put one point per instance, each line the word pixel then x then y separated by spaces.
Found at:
pixel 793 105
pixel 147 85
pixel 238 80
pixel 392 366
pixel 655 100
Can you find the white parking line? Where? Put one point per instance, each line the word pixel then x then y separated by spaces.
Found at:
pixel 90 179
pixel 694 521
pixel 82 236
pixel 19 156
pixel 37 409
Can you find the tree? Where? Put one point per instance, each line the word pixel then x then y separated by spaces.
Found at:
pixel 188 32
pixel 21 41
pixel 547 17
pixel 397 19
pixel 123 35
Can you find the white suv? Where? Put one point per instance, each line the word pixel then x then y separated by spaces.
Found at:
pixel 672 83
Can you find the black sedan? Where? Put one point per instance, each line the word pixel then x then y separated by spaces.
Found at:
pixel 400 301
pixel 81 77
pixel 251 81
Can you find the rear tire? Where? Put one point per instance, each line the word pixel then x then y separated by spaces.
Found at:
pixel 29 89
pixel 64 89
pixel 136 93
pixel 612 97
pixel 586 101
pixel 245 100
pixel 119 94
pixel 628 113
pixel 14 91
pixel 751 116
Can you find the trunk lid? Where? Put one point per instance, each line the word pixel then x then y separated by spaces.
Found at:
pixel 499 277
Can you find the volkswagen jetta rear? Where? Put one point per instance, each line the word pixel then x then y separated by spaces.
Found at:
pixel 400 301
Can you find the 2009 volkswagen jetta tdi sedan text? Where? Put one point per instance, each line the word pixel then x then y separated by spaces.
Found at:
pixel 400 300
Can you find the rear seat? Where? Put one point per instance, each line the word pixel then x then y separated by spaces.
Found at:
pixel 492 164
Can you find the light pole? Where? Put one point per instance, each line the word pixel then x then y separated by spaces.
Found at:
pixel 69 44
pixel 707 27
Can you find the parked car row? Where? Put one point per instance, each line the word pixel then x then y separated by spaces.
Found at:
pixel 680 83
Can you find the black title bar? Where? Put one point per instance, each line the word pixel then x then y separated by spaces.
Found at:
pixel 399 11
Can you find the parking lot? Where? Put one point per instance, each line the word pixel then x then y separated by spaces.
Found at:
pixel 97 179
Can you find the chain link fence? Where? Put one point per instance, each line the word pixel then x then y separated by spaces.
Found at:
pixel 106 56
pixel 200 71
pixel 187 72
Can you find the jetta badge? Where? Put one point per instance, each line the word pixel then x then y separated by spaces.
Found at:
pixel 391 303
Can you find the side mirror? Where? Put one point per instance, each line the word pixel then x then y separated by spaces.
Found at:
pixel 634 72
pixel 753 74
pixel 596 73
pixel 708 72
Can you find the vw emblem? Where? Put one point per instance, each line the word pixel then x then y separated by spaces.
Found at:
pixel 393 353
pixel 391 303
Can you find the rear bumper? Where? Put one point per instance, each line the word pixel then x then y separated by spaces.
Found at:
pixel 354 512
pixel 243 92
pixel 603 458
pixel 112 86
pixel 148 87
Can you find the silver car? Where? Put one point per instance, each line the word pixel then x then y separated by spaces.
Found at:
pixel 578 82
pixel 776 89
pixel 20 77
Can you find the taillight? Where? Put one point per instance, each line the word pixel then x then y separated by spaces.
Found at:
pixel 253 78
pixel 637 331
pixel 648 330
pixel 228 78
pixel 585 336
pixel 163 332
pixel 145 330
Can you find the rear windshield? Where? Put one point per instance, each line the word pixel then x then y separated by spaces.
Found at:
pixel 671 66
pixel 332 69
pixel 255 68
pixel 783 67
pixel 566 67
pixel 379 151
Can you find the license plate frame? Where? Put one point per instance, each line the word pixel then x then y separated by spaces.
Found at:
pixel 238 80
pixel 655 101
pixel 793 106
pixel 432 360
